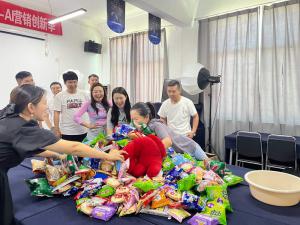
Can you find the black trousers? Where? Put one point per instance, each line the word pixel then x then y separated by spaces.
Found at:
pixel 6 204
pixel 78 138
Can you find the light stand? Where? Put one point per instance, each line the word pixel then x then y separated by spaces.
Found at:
pixel 204 79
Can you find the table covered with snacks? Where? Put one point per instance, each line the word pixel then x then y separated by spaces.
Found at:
pixel 61 210
pixel 151 186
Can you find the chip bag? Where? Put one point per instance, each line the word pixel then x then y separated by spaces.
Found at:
pixel 219 194
pixel 215 210
pixel 187 183
pixel 179 214
pixel 39 187
pixel 147 185
pixel 231 179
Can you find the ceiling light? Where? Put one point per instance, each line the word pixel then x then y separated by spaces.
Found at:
pixel 67 16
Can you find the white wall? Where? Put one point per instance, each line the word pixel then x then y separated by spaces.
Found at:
pixel 64 52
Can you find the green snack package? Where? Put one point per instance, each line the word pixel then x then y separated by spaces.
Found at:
pixel 122 143
pixel 200 163
pixel 215 210
pixel 106 191
pixel 98 138
pixel 72 164
pixel 39 187
pixel 167 164
pixel 187 182
pixel 146 130
pixel 189 157
pixel 146 186
pixel 231 179
pixel 219 194
pixel 216 166
pixel 81 200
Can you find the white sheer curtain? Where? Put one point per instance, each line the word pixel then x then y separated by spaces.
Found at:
pixel 229 46
pixel 150 68
pixel 259 90
pixel 121 62
pixel 280 68
pixel 139 66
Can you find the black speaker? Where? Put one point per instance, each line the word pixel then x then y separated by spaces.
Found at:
pixel 91 46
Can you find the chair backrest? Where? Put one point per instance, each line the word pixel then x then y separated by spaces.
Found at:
pixel 281 148
pixel 249 144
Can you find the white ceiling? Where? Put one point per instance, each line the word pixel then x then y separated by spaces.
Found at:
pixel 177 12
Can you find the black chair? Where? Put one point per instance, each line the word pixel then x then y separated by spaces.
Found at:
pixel 281 152
pixel 249 149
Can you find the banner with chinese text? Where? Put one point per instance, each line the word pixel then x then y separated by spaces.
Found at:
pixel 27 18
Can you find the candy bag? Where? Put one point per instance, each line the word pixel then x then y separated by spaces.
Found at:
pixel 215 210
pixel 179 159
pixel 106 191
pixel 147 185
pixel 173 175
pixel 167 164
pixel 129 211
pixel 71 163
pixel 187 167
pixel 189 157
pixel 187 183
pixel 200 219
pixel 219 194
pixel 104 213
pixel 38 166
pixel 203 184
pixel 123 169
pixel 146 199
pixel 85 208
pixel 211 175
pixel 193 202
pixel 216 166
pixel 160 200
pixel 52 174
pixel 122 143
pixel 163 211
pixel 96 201
pixel 173 194
pixel 39 187
pixel 179 214
pixel 199 172
pixel 231 179
pixel 112 182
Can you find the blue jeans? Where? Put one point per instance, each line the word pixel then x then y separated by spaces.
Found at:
pixel 199 154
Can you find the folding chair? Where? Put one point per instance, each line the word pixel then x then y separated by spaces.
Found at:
pixel 281 152
pixel 249 149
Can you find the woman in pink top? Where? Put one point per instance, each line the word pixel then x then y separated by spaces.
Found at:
pixel 97 109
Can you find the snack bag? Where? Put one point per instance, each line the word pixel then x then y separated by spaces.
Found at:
pixel 179 214
pixel 200 219
pixel 216 210
pixel 231 179
pixel 39 187
pixel 219 194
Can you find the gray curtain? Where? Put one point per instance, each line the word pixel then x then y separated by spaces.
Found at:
pixel 259 68
pixel 139 66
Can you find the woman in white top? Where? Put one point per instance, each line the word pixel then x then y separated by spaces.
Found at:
pixel 120 111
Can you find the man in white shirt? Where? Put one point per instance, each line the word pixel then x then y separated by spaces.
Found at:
pixel 93 79
pixel 66 103
pixel 177 111
pixel 55 89
pixel 25 77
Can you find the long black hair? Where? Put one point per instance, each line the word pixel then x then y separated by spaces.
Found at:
pixel 20 97
pixel 115 113
pixel 145 109
pixel 104 101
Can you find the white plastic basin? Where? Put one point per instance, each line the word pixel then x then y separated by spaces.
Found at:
pixel 274 188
